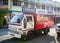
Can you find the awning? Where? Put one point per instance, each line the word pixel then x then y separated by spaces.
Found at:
pixel 9 11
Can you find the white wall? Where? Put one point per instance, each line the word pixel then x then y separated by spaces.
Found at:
pixel 14 8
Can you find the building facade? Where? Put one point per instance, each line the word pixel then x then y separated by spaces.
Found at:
pixel 45 5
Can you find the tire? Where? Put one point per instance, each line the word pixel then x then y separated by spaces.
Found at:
pixel 58 34
pixel 46 31
pixel 39 32
pixel 24 37
pixel 30 35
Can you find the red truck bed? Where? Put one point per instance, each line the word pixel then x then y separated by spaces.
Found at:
pixel 43 21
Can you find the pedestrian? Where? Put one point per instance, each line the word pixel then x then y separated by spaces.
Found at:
pixel 4 21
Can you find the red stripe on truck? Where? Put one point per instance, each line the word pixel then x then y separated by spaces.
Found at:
pixel 15 24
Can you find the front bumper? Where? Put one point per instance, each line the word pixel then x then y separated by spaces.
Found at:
pixel 15 35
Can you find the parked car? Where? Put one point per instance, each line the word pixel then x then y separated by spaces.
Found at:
pixel 58 28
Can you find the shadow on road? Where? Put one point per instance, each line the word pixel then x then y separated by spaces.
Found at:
pixel 39 39
pixel 43 39
pixel 13 40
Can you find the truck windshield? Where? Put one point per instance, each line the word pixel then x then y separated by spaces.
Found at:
pixel 17 19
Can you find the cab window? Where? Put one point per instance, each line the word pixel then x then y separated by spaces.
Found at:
pixel 17 19
pixel 29 19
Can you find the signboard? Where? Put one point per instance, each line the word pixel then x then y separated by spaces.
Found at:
pixel 37 11
pixel 50 12
pixel 41 11
pixel 29 10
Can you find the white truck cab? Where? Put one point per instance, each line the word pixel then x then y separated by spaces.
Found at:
pixel 20 25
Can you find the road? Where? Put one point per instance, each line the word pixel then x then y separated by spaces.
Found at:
pixel 50 38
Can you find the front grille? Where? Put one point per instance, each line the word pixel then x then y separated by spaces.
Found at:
pixel 15 32
pixel 12 28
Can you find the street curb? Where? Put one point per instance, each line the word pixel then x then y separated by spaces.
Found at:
pixel 5 37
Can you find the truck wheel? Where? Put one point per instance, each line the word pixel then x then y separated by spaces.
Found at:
pixel 58 33
pixel 39 32
pixel 46 31
pixel 30 35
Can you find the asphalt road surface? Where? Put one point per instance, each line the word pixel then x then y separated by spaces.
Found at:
pixel 50 38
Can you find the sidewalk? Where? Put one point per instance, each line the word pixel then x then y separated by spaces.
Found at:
pixel 5 37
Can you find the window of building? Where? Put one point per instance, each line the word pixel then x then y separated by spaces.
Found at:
pixel 37 6
pixel 58 9
pixel 55 9
pixel 17 3
pixel 43 6
pixel 14 2
pixel 51 8
pixel 5 2
pixel 25 4
pixel 32 5
pixel 47 7
pixel 1 2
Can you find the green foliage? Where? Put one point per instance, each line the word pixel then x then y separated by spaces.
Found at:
pixel 1 18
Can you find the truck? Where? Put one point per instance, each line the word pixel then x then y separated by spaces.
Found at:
pixel 26 25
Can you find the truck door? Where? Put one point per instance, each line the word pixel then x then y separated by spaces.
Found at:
pixel 29 22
